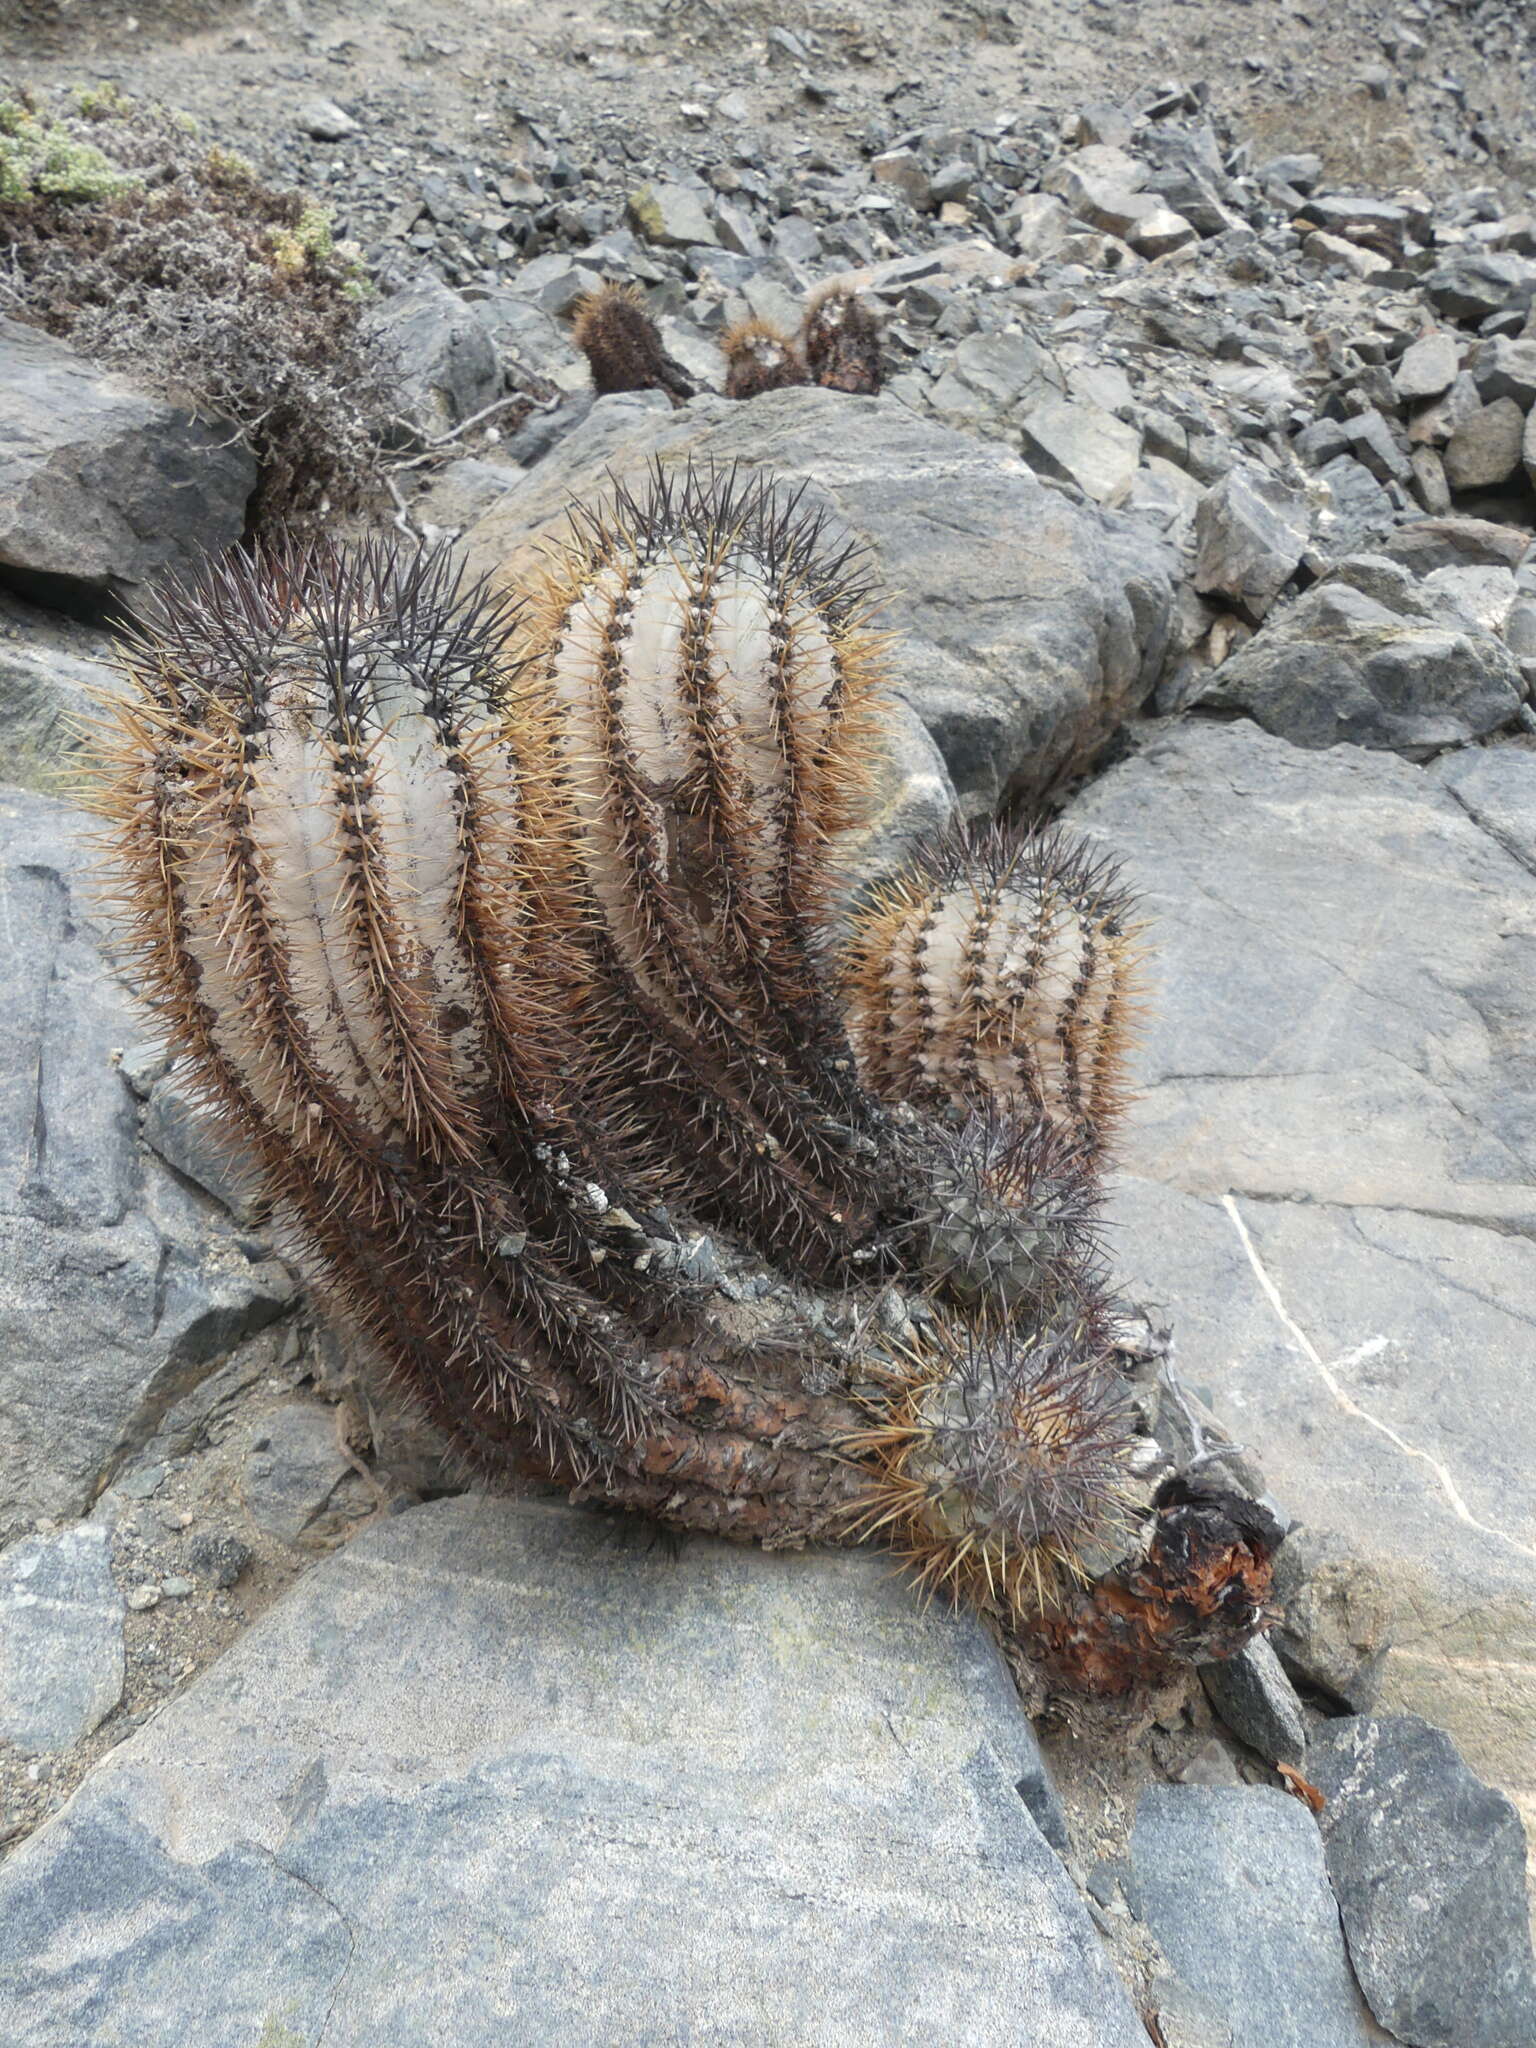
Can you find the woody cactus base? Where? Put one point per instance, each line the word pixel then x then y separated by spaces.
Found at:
pixel 500 927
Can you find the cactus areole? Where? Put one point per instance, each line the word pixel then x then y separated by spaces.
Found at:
pixel 500 928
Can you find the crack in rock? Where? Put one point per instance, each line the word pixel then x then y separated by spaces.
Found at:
pixel 1326 1372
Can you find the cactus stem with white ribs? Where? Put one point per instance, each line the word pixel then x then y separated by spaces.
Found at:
pixel 498 927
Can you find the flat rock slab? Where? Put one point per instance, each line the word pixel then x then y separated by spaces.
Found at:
pixel 118 1285
pixel 504 1772
pixel 61 1638
pixel 1333 1168
pixel 1029 625
pixel 1232 1885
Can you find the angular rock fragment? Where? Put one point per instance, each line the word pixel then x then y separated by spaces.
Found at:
pixel 101 486
pixel 1079 443
pixel 1231 1884
pixel 1099 185
pixel 440 355
pixel 1485 448
pixel 1335 1625
pixel 1250 534
pixel 1428 1865
pixel 672 216
pixel 1427 368
pixel 1344 666
pixel 1257 1701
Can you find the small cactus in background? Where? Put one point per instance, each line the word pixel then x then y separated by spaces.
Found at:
pixel 501 930
pixel 759 358
pixel 623 345
pixel 841 342
pixel 838 347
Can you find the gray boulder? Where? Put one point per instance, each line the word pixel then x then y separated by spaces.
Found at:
pixel 1335 1627
pixel 1428 1866
pixel 1258 1702
pixel 1030 627
pixel 990 375
pixel 1506 369
pixel 672 216
pixel 180 1130
pixel 527 337
pixel 1428 367
pixel 118 1286
pixel 1485 448
pixel 1250 533
pixel 1343 664
pixel 1099 185
pixel 296 1481
pixel 1356 510
pixel 613 1793
pixel 1078 443
pixel 1425 545
pixel 101 485
pixel 440 355
pixel 61 1638
pixel 462 491
pixel 47 699
pixel 1472 283
pixel 1332 1183
pixel 1232 1886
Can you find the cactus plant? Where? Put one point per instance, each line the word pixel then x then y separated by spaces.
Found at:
pixel 1000 967
pixel 838 347
pixel 841 342
pixel 499 927
pixel 759 358
pixel 623 345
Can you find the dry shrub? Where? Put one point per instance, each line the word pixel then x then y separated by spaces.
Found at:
pixel 125 233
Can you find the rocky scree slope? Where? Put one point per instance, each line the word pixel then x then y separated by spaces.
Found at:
pixel 1206 482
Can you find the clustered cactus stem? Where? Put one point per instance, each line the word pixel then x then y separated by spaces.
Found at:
pixel 501 929
pixel 1000 967
pixel 838 347
pixel 623 345
pixel 760 358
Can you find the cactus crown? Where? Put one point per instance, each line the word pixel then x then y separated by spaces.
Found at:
pixel 498 925
pixel 759 358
